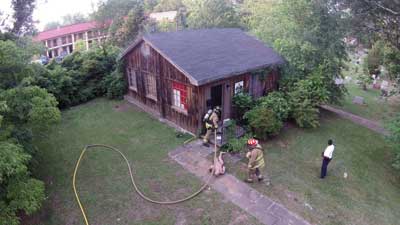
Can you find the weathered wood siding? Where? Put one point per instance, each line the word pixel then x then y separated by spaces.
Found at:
pixel 146 61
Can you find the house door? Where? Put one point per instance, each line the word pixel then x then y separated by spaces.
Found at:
pixel 216 96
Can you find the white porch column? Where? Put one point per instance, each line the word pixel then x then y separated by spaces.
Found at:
pixel 87 41
pixel 73 42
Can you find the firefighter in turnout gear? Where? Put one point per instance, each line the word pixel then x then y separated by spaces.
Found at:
pixel 211 122
pixel 256 160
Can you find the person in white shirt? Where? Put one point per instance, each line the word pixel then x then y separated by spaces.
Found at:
pixel 327 157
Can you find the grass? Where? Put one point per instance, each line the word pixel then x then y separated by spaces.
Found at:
pixel 375 108
pixel 103 181
pixel 370 194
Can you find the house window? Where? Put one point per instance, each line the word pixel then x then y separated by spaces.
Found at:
pixel 179 96
pixel 151 86
pixel 54 42
pixel 239 86
pixel 132 79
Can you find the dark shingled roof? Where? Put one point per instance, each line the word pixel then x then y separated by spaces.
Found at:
pixel 211 54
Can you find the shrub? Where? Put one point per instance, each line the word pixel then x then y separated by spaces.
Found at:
pixel 115 85
pixel 305 114
pixel 263 122
pixel 242 102
pixel 277 102
pixel 305 97
pixel 234 144
pixel 81 77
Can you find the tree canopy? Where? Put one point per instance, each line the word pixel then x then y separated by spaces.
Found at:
pixel 67 20
pixel 23 21
pixel 211 13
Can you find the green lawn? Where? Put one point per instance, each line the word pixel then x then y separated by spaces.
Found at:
pixel 375 108
pixel 103 181
pixel 369 196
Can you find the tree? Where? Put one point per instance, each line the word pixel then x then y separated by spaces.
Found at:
pixel 23 21
pixel 52 25
pixel 391 61
pixel 14 61
pixel 67 20
pixel 125 30
pixel 30 106
pixel 369 17
pixel 308 34
pixel 19 191
pixel 73 19
pixel 211 13
pixel 168 5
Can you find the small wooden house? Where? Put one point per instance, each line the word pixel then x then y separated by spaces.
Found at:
pixel 180 75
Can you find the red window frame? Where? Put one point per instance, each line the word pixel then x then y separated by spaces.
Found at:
pixel 183 93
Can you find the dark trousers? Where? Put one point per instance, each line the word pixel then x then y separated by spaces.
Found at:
pixel 324 166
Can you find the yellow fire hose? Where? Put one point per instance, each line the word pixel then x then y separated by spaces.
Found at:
pixel 133 180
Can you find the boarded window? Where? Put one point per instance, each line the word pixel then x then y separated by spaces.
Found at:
pixel 271 82
pixel 179 92
pixel 151 86
pixel 132 79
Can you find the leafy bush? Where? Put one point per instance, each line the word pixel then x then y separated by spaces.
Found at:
pixel 19 191
pixel 364 80
pixel 263 122
pixel 30 105
pixel 305 97
pixel 234 144
pixel 242 103
pixel 81 77
pixel 277 102
pixel 392 61
pixel 305 114
pixel 115 85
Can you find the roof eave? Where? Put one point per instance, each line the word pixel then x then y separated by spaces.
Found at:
pixel 230 75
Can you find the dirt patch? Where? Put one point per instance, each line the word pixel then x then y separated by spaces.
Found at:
pixel 123 107
pixel 143 210
pixel 155 186
pixel 239 218
pixel 198 212
pixel 181 219
pixel 283 144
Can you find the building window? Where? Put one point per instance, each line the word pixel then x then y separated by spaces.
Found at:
pixel 64 40
pixel 54 42
pixel 239 87
pixel 151 86
pixel 132 79
pixel 49 43
pixel 179 96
